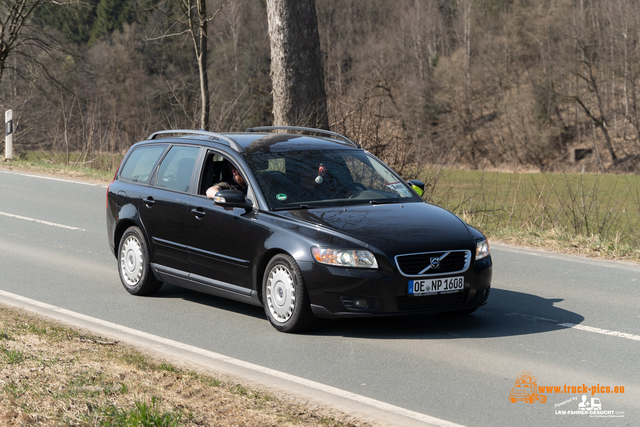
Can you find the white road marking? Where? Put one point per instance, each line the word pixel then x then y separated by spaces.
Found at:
pixel 39 221
pixel 245 365
pixel 55 179
pixel 580 327
pixel 601 331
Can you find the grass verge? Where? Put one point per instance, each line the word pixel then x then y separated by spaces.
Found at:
pixel 53 375
pixel 43 164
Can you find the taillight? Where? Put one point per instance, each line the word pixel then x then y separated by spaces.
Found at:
pixel 114 178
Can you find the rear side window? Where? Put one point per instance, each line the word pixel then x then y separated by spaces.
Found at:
pixel 141 162
pixel 176 168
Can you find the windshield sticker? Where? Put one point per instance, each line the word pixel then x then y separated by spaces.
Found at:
pixel 281 197
pixel 399 188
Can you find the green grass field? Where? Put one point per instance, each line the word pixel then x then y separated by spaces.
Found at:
pixel 602 207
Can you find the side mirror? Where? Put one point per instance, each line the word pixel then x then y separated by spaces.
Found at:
pixel 232 199
pixel 417 186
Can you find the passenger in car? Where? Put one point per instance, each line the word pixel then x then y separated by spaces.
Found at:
pixel 236 183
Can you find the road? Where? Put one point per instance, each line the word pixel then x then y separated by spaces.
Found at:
pixel 569 321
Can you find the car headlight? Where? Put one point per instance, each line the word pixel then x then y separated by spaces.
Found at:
pixel 345 257
pixel 482 249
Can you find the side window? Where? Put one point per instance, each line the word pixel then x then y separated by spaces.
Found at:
pixel 216 169
pixel 141 163
pixel 177 167
pixel 214 164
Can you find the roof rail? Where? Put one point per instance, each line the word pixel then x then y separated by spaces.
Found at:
pixel 321 131
pixel 213 135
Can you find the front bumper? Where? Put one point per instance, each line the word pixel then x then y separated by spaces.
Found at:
pixel 349 292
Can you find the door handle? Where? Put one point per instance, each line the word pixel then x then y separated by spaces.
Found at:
pixel 199 213
pixel 149 201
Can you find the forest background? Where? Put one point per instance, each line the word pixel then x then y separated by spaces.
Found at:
pixel 482 83
pixel 547 86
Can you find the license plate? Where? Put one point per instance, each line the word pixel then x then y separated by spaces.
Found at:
pixel 449 285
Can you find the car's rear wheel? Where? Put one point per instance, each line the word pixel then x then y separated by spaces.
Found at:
pixel 285 298
pixel 133 264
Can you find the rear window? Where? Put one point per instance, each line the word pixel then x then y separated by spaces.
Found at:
pixel 140 164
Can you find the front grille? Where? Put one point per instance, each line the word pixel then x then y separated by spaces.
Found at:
pixel 451 262
pixel 429 302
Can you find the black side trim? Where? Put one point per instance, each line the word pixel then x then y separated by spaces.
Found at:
pixel 167 243
pixel 207 286
pixel 214 255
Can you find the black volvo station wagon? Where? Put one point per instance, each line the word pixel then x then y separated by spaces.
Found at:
pixel 306 224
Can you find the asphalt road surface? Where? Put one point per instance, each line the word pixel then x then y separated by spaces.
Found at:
pixel 572 323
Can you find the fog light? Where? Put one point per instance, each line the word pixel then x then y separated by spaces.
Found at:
pixel 483 293
pixel 361 303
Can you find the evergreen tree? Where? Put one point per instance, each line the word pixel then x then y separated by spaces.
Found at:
pixel 73 21
pixel 111 15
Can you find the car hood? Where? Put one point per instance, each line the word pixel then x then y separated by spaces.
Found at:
pixel 394 228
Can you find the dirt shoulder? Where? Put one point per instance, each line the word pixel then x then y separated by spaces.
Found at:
pixel 52 374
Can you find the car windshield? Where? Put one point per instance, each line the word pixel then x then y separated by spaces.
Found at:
pixel 309 179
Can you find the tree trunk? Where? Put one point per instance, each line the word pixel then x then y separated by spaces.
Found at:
pixel 297 76
pixel 201 55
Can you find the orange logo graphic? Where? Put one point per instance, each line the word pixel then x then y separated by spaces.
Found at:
pixel 526 389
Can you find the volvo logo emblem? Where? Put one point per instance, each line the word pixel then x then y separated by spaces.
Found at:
pixel 435 263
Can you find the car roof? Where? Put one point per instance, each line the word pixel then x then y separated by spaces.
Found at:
pixel 260 142
pixel 254 142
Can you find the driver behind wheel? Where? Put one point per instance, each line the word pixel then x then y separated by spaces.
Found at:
pixel 236 183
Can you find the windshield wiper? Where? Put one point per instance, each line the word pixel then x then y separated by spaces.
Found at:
pixel 383 202
pixel 292 208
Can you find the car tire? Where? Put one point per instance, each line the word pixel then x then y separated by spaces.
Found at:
pixel 133 264
pixel 284 295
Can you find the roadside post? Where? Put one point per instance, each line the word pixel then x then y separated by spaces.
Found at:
pixel 8 141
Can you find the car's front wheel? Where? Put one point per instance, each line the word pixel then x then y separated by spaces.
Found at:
pixel 133 264
pixel 285 299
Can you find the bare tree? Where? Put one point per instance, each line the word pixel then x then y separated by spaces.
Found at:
pixel 194 22
pixel 297 76
pixel 14 15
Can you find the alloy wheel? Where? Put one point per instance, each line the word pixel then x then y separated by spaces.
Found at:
pixel 281 293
